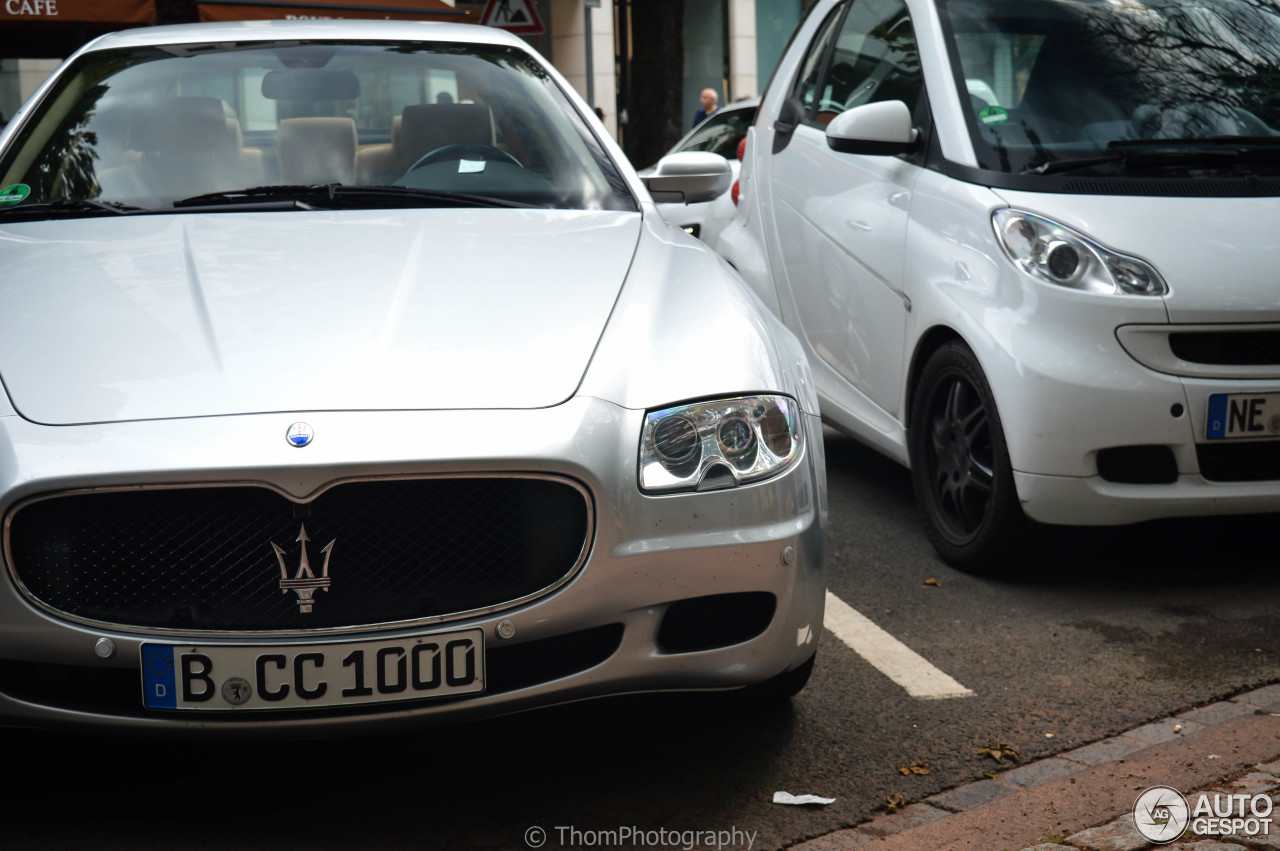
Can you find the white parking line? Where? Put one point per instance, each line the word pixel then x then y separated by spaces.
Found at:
pixel 890 656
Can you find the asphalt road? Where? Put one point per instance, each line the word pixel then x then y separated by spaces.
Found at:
pixel 1098 632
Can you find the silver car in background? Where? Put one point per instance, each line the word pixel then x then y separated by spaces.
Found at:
pixel 351 377
pixel 720 134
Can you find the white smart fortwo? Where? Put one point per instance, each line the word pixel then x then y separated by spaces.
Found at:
pixel 1030 248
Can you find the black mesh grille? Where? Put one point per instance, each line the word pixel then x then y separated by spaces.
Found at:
pixel 201 558
pixel 1243 461
pixel 1177 187
pixel 1227 348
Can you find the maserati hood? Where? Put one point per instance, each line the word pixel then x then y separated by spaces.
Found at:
pixel 145 317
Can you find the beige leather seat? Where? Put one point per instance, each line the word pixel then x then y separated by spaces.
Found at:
pixel 250 159
pixel 376 164
pixel 178 147
pixel 317 150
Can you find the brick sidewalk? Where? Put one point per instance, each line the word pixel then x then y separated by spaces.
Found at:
pixel 1083 799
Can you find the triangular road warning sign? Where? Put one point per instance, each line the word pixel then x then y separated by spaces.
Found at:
pixel 517 16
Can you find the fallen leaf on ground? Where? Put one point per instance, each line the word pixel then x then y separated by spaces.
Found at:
pixel 934 582
pixel 914 768
pixel 896 802
pixel 999 750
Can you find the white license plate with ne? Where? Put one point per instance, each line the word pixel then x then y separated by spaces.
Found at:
pixel 257 677
pixel 1237 415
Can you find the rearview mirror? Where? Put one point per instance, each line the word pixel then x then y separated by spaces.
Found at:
pixel 880 129
pixel 310 84
pixel 689 176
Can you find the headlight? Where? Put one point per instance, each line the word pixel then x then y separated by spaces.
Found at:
pixel 1054 253
pixel 710 445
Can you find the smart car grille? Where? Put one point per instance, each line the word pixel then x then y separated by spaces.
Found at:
pixel 1227 348
pixel 1244 461
pixel 206 559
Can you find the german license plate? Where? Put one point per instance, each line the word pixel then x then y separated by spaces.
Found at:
pixel 255 677
pixel 1236 415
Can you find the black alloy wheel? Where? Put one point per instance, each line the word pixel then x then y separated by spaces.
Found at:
pixel 960 465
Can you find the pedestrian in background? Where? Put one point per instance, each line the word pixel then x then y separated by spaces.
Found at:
pixel 710 103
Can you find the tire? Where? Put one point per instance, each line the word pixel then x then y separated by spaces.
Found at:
pixel 960 465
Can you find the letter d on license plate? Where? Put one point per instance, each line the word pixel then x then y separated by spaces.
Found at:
pixel 257 677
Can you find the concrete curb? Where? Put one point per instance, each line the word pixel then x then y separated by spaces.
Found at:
pixel 1056 802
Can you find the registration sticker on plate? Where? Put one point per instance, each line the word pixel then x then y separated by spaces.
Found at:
pixel 1236 415
pixel 255 677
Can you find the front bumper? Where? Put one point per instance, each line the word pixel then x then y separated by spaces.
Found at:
pixel 1079 393
pixel 594 636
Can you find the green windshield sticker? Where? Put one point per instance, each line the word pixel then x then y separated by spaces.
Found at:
pixel 991 115
pixel 15 194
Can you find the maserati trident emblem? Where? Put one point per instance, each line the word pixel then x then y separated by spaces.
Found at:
pixel 299 435
pixel 304 583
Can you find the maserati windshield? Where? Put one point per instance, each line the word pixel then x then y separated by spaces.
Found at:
pixel 1086 84
pixel 149 127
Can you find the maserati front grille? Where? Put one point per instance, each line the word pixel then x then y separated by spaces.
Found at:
pixel 246 558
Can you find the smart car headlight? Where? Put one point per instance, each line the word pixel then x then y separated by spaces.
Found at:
pixel 1055 253
pixel 724 443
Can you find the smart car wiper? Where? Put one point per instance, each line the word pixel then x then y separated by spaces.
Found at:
pixel 1260 141
pixel 1181 156
pixel 66 209
pixel 331 196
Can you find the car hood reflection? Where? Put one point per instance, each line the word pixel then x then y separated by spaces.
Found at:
pixel 207 314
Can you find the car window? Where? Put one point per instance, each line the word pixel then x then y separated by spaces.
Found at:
pixel 806 87
pixel 1068 82
pixel 721 133
pixel 875 59
pixel 150 126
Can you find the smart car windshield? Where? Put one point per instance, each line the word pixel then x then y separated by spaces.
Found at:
pixel 148 129
pixel 1165 88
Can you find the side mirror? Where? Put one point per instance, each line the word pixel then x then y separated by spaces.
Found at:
pixel 689 176
pixel 879 129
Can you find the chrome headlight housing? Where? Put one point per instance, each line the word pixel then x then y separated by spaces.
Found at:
pixel 718 444
pixel 1056 254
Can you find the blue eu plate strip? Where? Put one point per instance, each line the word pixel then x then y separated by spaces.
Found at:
pixel 158 684
pixel 1217 416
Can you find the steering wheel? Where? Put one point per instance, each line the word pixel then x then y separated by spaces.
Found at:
pixel 465 151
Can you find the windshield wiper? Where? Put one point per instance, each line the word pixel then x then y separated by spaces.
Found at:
pixel 1178 155
pixel 330 196
pixel 1196 142
pixel 67 209
pixel 408 196
pixel 258 198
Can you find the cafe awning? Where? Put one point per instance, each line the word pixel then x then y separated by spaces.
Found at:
pixel 267 10
pixel 113 12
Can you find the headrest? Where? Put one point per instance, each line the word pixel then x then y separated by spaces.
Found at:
pixel 180 123
pixel 332 132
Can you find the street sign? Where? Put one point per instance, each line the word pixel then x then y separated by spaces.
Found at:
pixel 517 16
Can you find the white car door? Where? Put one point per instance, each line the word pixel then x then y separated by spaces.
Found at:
pixel 841 219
